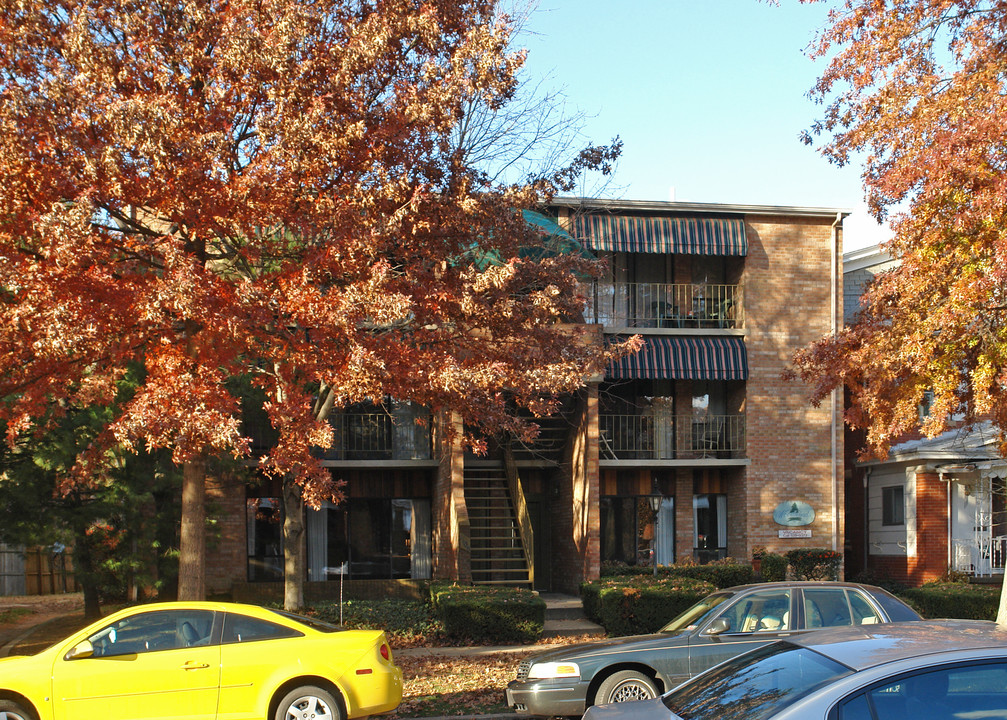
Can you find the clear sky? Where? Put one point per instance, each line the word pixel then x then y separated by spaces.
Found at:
pixel 708 96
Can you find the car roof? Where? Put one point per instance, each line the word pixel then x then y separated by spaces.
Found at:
pixel 863 646
pixel 798 584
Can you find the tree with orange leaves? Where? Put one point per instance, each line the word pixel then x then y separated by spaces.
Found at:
pixel 919 90
pixel 266 190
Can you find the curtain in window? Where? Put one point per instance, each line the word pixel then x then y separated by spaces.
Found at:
pixel 317 529
pixel 665 532
pixel 420 540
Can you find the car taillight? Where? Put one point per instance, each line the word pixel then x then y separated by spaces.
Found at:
pixel 385 652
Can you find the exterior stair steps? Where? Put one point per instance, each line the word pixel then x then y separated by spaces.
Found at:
pixel 497 554
pixel 564 617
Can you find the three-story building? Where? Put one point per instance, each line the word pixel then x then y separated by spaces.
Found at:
pixel 685 449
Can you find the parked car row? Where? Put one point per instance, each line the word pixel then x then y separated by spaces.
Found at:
pixel 776 651
pixel 568 680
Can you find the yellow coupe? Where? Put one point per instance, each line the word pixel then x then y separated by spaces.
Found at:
pixel 182 661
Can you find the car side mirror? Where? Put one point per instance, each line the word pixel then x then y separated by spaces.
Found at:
pixel 80 651
pixel 718 626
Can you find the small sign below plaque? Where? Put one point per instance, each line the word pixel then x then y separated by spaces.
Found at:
pixel 794 513
pixel 796 533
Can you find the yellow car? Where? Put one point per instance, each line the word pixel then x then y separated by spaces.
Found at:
pixel 182 661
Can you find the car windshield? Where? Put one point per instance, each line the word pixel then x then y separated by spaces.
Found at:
pixel 319 625
pixel 755 685
pixel 696 614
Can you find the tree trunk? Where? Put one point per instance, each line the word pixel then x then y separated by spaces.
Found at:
pixel 87 574
pixel 293 547
pixel 192 549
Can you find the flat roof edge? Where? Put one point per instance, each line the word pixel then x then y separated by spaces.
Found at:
pixel 694 207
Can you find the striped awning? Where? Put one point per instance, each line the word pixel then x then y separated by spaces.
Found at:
pixel 682 235
pixel 684 358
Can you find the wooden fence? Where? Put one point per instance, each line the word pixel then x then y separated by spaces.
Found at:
pixel 36 571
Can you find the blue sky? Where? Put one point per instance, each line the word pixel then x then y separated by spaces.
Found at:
pixel 708 96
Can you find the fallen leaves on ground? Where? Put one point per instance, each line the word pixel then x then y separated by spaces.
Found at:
pixel 469 684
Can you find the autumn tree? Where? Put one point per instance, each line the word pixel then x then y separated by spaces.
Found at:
pixel 918 92
pixel 218 190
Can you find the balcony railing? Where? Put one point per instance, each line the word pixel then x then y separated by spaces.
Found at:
pixel 365 436
pixel 979 556
pixel 664 305
pixel 671 437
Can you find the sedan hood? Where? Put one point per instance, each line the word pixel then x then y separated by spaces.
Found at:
pixel 603 647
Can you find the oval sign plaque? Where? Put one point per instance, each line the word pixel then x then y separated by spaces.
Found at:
pixel 794 513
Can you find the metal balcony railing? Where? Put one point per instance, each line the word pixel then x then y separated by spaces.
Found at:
pixel 980 556
pixel 671 437
pixel 665 305
pixel 364 436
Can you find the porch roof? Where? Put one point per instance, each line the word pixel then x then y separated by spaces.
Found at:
pixel 662 234
pixel 684 358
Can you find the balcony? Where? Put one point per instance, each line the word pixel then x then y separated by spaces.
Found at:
pixel 364 436
pixel 671 437
pixel 664 305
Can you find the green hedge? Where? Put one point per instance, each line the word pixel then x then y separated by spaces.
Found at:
pixel 774 567
pixel 406 622
pixel 636 606
pixel 815 563
pixel 481 614
pixel 954 600
pixel 723 573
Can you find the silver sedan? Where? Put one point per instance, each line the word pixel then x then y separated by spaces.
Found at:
pixel 940 670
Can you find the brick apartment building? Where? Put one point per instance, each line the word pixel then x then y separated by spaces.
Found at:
pixel 934 503
pixel 696 447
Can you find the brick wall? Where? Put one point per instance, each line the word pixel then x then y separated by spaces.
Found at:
pixel 931 559
pixel 787 306
pixel 226 550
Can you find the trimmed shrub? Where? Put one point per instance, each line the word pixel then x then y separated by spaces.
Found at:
pixel 954 600
pixel 815 563
pixel 620 569
pixel 774 567
pixel 640 605
pixel 481 614
pixel 406 622
pixel 721 574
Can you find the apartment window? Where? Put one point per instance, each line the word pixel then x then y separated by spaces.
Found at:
pixel 893 505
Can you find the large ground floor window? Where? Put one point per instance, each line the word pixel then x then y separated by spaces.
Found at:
pixel 631 532
pixel 710 523
pixel 359 539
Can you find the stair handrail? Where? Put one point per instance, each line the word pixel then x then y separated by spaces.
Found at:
pixel 520 511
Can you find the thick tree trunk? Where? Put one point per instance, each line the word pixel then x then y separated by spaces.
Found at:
pixel 87 574
pixel 192 550
pixel 293 547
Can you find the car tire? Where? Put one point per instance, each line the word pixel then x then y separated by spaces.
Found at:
pixel 309 702
pixel 624 686
pixel 13 711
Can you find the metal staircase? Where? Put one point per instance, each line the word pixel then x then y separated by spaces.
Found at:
pixel 548 447
pixel 498 554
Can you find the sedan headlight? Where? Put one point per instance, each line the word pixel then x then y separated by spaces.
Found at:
pixel 545 670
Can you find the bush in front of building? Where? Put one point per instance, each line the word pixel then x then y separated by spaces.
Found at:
pixel 640 605
pixel 408 623
pixel 720 573
pixel 621 569
pixel 954 600
pixel 815 563
pixel 481 614
pixel 773 567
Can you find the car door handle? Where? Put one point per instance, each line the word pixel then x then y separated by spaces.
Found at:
pixel 191 665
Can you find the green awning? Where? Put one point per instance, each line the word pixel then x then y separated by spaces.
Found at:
pixel 664 235
pixel 684 358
